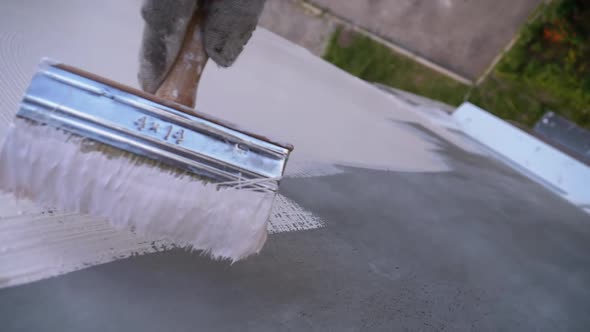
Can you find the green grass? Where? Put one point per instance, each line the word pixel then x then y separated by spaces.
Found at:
pixel 526 83
pixel 508 100
pixel 373 62
pixel 550 63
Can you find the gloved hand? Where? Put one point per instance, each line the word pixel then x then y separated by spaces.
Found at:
pixel 226 27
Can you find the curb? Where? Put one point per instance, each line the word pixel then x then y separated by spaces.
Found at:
pixel 540 161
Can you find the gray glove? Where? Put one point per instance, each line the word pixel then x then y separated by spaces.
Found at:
pixel 227 26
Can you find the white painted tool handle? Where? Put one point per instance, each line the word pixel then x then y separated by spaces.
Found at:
pixel 182 81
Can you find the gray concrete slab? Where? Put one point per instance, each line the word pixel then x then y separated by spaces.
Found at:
pixel 463 36
pixel 480 248
pixel 289 20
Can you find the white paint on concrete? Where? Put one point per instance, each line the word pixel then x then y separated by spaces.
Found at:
pixel 560 172
pixel 328 115
pixel 308 169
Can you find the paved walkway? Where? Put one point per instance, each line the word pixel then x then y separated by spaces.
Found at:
pixel 462 36
pixel 292 21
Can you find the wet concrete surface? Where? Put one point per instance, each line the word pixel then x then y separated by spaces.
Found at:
pixel 480 248
pixel 463 36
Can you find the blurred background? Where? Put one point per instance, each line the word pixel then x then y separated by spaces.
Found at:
pixel 518 59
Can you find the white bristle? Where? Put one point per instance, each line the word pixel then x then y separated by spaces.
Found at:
pixel 48 166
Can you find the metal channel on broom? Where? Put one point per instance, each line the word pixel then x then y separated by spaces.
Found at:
pixel 95 110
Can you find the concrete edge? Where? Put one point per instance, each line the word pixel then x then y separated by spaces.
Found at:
pixel 416 100
pixel 540 161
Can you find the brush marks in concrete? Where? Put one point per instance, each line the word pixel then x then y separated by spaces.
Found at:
pixel 39 242
pixel 288 216
pixel 42 243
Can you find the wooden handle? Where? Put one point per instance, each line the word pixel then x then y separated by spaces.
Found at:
pixel 181 82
